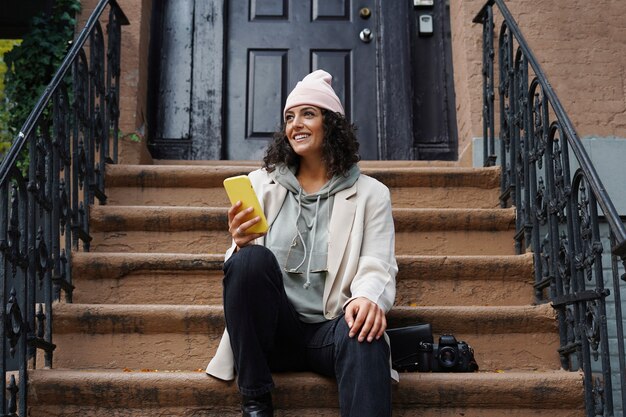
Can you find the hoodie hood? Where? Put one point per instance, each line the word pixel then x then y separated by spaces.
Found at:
pixel 286 177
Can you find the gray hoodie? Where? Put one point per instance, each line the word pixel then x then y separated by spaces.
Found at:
pixel 299 239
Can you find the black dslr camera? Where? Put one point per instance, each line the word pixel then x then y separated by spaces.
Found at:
pixel 448 356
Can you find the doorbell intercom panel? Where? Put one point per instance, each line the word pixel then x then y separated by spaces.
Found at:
pixel 426 24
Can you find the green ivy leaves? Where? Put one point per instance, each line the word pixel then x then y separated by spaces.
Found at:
pixel 31 64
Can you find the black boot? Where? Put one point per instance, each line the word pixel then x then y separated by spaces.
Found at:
pixel 260 406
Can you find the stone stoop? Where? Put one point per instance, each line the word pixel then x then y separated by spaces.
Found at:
pixel 147 311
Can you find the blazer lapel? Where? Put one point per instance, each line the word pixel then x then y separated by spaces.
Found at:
pixel 272 200
pixel 273 197
pixel 340 228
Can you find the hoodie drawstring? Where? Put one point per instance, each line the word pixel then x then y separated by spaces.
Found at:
pixel 313 227
pixel 307 284
pixel 299 235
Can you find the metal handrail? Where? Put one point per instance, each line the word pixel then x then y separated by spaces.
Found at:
pixel 557 217
pixel 595 183
pixel 45 199
pixel 13 153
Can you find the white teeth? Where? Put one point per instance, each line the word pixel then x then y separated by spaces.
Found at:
pixel 298 137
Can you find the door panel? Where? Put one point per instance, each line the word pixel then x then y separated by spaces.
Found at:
pixel 186 83
pixel 337 63
pixel 434 125
pixel 265 80
pixel 272 45
pixel 264 9
pixel 331 10
pixel 175 99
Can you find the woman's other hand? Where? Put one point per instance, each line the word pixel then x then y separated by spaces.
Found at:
pixel 365 319
pixel 237 226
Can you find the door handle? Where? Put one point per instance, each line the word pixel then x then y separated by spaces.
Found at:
pixel 366 35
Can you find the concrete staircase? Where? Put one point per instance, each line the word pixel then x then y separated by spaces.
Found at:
pixel 147 312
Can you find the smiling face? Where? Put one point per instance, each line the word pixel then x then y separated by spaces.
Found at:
pixel 304 127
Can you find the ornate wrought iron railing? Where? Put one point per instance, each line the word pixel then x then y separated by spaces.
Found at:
pixel 51 174
pixel 557 201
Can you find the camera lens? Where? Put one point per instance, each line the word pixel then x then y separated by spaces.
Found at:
pixel 448 357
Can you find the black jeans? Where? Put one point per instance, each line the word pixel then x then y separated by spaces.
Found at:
pixel 267 336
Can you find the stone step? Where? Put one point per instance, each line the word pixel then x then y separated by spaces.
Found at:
pixel 55 393
pixel 233 411
pixel 183 337
pixel 204 230
pixel 200 185
pixel 174 278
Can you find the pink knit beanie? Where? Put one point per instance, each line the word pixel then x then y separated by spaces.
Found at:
pixel 315 89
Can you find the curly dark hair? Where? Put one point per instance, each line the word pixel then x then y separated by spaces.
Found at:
pixel 340 149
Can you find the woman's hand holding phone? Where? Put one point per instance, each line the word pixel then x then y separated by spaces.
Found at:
pixel 238 226
pixel 246 221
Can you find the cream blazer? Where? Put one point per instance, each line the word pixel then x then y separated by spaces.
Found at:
pixel 361 252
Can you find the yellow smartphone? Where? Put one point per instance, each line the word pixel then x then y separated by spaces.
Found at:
pixel 239 188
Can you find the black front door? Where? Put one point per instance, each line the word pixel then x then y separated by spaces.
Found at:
pixel 221 71
pixel 273 44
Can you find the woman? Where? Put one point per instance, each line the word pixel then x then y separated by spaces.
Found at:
pixel 311 293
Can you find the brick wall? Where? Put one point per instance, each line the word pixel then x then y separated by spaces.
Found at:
pixel 581 47
pixel 134 73
pixel 467 61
